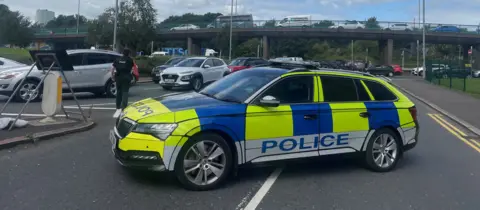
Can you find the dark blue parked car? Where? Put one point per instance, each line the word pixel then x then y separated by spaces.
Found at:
pixel 446 29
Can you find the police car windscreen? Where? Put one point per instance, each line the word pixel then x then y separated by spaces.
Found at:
pixel 240 85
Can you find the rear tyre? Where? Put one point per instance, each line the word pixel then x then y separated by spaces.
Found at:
pixel 383 151
pixel 390 74
pixel 166 87
pixel 156 81
pixel 204 162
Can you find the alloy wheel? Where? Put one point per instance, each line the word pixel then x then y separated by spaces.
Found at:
pixel 204 163
pixel 27 91
pixel 385 150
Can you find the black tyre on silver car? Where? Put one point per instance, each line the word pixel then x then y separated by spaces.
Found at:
pixel 111 88
pixel 383 150
pixel 197 83
pixel 204 162
pixel 27 90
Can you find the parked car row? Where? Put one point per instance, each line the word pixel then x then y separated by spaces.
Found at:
pixel 246 21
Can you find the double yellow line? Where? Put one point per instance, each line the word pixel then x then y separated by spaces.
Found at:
pixel 455 131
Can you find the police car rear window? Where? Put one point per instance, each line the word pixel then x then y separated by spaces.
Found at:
pixel 338 89
pixel 379 91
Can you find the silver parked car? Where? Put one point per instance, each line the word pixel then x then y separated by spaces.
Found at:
pixel 91 74
pixel 7 63
pixel 194 72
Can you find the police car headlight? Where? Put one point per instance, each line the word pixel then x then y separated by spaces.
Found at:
pixel 161 131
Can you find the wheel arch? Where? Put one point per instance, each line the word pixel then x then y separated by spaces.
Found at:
pixel 236 147
pixel 397 131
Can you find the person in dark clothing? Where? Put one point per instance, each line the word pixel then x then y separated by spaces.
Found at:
pixel 122 75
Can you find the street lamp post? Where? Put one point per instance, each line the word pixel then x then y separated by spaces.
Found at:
pixel 419 13
pixel 231 22
pixel 78 16
pixel 423 42
pixel 115 27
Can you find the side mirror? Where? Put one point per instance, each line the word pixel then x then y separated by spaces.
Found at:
pixel 269 101
pixel 206 66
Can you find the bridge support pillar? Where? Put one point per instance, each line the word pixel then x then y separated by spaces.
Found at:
pixel 192 47
pixel 265 47
pixel 386 51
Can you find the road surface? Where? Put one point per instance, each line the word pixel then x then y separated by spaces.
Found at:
pixel 79 172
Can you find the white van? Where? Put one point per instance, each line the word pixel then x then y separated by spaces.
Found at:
pixel 295 21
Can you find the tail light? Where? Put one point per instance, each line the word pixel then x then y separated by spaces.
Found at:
pixel 236 68
pixel 413 112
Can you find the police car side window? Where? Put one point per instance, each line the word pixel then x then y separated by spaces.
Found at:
pixel 1 63
pixel 362 93
pixel 338 89
pixel 379 91
pixel 294 89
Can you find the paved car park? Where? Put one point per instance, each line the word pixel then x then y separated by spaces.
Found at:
pixel 79 172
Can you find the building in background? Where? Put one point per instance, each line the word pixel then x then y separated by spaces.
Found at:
pixel 43 16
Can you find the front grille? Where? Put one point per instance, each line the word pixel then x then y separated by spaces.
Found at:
pixel 124 127
pixel 170 76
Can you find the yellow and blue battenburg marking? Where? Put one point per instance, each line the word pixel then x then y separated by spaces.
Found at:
pixel 259 132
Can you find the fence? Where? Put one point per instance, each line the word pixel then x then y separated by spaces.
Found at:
pixel 454 74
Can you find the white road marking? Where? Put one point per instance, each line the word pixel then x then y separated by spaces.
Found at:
pixel 252 205
pixel 31 115
pixel 88 107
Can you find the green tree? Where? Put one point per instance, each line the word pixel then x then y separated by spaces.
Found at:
pixel 188 18
pixel 248 48
pixel 269 24
pixel 19 28
pixel 324 24
pixel 66 21
pixel 372 23
pixel 136 24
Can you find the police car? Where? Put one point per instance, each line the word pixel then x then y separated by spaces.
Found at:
pixel 266 114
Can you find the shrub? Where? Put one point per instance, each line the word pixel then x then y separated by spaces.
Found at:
pixel 146 64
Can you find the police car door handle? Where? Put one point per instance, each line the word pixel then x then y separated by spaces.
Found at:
pixel 310 116
pixel 364 114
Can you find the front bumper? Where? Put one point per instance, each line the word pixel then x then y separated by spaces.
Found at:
pixel 173 81
pixel 141 159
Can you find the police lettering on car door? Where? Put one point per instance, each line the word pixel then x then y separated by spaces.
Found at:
pixel 289 144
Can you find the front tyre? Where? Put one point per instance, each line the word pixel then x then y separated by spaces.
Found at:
pixel 111 89
pixel 383 151
pixel 204 162
pixel 197 83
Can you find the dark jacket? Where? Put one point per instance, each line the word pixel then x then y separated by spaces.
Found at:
pixel 123 67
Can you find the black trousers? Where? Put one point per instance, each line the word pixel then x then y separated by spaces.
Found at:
pixel 123 86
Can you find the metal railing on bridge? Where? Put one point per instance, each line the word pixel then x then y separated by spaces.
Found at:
pixel 333 24
pixel 60 31
pixel 454 74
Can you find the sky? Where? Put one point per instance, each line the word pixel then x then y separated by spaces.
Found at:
pixel 463 12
